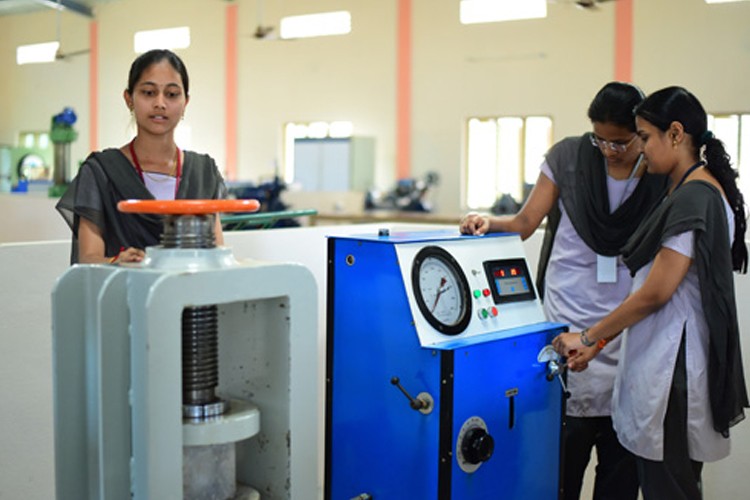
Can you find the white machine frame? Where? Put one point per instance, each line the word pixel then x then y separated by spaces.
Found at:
pixel 117 343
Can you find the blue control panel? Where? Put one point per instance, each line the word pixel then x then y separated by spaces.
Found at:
pixel 434 385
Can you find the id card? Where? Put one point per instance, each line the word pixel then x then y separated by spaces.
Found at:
pixel 606 269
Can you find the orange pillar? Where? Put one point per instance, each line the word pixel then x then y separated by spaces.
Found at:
pixel 230 104
pixel 403 90
pixel 624 40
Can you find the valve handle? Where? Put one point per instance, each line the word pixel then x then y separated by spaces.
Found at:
pixel 187 207
pixel 558 369
pixel 415 403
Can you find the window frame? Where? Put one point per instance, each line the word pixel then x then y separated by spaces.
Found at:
pixel 524 161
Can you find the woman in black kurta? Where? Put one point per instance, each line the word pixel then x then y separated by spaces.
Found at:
pixel 150 166
pixel 107 177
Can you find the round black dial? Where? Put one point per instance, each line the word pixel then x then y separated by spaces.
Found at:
pixel 441 290
pixel 477 446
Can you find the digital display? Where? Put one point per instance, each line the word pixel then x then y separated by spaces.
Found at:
pixel 509 280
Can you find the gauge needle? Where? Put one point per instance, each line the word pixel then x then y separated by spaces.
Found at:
pixel 439 292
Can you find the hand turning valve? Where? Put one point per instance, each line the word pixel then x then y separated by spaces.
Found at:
pixel 556 366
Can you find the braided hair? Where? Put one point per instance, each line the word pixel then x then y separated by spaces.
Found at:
pixel 676 104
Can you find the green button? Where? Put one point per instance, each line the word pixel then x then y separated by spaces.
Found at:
pixel 477 293
pixel 485 313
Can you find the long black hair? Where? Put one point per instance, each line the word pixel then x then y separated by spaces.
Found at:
pixel 154 56
pixel 676 104
pixel 614 103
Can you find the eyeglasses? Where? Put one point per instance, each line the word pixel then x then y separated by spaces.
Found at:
pixel 617 147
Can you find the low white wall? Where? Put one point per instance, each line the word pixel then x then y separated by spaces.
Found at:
pixel 30 217
pixel 28 274
pixel 29 271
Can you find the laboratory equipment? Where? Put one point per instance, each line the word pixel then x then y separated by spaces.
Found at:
pixel 440 383
pixel 189 376
pixel 62 134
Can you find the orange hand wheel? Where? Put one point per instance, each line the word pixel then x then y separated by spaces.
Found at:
pixel 187 207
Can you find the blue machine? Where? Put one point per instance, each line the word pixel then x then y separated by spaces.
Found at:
pixel 439 383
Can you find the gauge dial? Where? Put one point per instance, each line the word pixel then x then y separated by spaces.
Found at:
pixel 441 290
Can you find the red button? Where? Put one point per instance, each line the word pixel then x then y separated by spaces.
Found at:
pixel 494 311
pixel 486 292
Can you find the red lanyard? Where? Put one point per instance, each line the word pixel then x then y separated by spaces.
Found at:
pixel 178 171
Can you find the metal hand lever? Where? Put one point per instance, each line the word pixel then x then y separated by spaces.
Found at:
pixel 422 403
pixel 555 366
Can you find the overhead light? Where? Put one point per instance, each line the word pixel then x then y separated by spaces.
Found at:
pixel 310 25
pixel 37 53
pixel 491 11
pixel 724 1
pixel 317 130
pixel 168 38
pixel 340 129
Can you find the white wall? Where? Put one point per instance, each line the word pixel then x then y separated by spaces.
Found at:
pixel 29 272
pixel 30 217
pixel 551 66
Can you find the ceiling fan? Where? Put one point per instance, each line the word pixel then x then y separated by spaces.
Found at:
pixel 584 4
pixel 60 55
pixel 64 56
pixel 590 4
pixel 264 31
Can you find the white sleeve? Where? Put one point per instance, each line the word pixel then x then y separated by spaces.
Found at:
pixel 682 243
pixel 547 171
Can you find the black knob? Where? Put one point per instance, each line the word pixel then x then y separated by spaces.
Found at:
pixel 477 446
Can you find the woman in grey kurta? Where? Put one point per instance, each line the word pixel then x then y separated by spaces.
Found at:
pixel 151 166
pixel 680 383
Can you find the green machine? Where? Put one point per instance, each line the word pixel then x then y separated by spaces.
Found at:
pixel 62 134
pixel 33 165
pixel 25 168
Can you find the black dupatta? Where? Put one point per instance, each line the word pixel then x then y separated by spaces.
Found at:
pixel 107 177
pixel 580 173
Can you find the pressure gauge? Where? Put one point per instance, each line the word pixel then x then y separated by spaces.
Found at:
pixel 441 290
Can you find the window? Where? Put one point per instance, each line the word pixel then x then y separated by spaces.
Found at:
pixel 37 53
pixel 734 132
pixel 311 130
pixel 312 25
pixel 34 140
pixel 491 11
pixel 168 38
pixel 504 155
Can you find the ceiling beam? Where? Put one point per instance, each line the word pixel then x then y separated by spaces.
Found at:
pixel 70 5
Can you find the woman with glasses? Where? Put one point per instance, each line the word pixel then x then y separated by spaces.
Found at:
pixel 680 384
pixel 594 191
